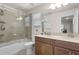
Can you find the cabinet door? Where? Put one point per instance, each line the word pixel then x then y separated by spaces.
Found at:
pixel 75 52
pixel 38 48
pixel 46 49
pixel 62 51
pixel 43 48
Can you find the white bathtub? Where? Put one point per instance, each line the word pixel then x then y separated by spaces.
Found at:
pixel 14 48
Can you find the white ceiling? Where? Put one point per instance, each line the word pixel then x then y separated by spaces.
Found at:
pixel 23 6
pixel 31 6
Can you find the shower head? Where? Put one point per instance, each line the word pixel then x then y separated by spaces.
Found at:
pixel 1 12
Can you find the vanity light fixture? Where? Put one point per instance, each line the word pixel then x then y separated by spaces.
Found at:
pixel 52 6
pixel 57 5
pixel 20 18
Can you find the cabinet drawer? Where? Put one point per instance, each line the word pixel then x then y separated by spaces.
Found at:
pixel 69 45
pixel 61 51
pixel 75 53
pixel 45 40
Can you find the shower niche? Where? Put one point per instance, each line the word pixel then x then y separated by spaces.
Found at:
pixel 2 29
pixel 2 25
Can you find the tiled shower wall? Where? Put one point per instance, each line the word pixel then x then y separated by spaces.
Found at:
pixel 14 29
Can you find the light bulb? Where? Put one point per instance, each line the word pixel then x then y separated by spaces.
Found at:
pixel 20 18
pixel 65 3
pixel 58 5
pixel 52 6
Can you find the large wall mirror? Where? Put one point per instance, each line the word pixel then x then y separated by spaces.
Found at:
pixel 67 24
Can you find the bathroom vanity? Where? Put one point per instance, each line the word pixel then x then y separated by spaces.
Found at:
pixel 56 45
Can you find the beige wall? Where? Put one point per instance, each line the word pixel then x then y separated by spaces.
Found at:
pixel 54 19
pixel 13 28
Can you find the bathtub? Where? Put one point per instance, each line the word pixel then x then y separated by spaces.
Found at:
pixel 16 48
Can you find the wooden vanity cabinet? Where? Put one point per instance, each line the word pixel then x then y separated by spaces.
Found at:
pixel 45 46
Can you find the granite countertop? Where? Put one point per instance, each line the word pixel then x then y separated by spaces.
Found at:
pixel 63 38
